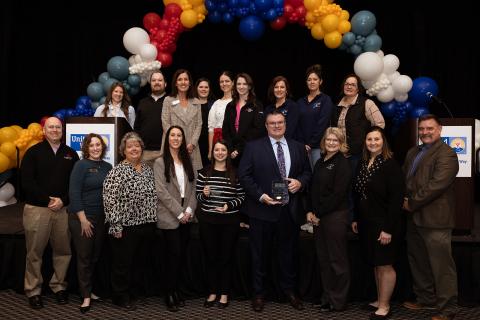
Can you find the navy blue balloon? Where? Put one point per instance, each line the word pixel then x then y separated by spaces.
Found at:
pixel 80 108
pixel 70 113
pixel 408 106
pixel 85 100
pixel 418 95
pixel 232 4
pixel 210 5
pixel 251 28
pixel 59 115
pixel 271 14
pixel 227 17
pixel 418 112
pixel 214 17
pixel 263 5
pixel 244 3
pixel 388 109
pixel 223 7
pixel 278 3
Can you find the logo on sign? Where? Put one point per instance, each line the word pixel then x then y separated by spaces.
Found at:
pixel 76 140
pixel 458 144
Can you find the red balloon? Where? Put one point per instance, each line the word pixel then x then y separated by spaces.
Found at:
pixel 172 10
pixel 42 121
pixel 295 3
pixel 279 23
pixel 165 58
pixel 151 20
pixel 288 10
pixel 160 36
pixel 164 24
pixel 301 11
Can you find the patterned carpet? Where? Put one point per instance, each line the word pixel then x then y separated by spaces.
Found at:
pixel 15 306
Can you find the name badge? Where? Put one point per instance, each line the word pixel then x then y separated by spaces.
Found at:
pixel 175 102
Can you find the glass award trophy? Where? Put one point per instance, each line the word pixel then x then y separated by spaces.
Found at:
pixel 279 190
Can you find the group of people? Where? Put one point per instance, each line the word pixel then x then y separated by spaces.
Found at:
pixel 268 169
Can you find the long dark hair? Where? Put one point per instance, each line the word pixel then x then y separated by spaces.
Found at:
pixel 271 89
pixel 190 92
pixel 252 97
pixel 125 103
pixel 183 155
pixel 231 172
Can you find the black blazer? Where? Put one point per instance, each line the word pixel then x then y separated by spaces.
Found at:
pixel 251 125
pixel 259 168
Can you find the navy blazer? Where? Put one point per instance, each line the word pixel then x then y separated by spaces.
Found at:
pixel 259 168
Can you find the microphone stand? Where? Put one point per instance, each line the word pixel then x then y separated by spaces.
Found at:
pixel 440 101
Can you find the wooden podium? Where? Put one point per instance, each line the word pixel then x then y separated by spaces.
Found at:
pixel 111 129
pixel 459 133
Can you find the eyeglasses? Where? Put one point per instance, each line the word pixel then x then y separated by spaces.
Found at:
pixel 276 124
pixel 353 85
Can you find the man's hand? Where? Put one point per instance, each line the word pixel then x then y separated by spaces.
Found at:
pixel 55 203
pixel 405 205
pixel 293 185
pixel 265 198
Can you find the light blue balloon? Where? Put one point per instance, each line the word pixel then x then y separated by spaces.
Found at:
pixel 356 49
pixel 134 80
pixel 108 84
pixel 348 38
pixel 104 76
pixel 363 23
pixel 95 105
pixel 95 91
pixel 372 43
pixel 117 67
pixel 102 100
pixel 133 90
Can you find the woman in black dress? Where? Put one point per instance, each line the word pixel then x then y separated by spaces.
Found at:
pixel 379 189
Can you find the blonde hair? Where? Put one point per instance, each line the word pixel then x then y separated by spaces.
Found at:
pixel 337 132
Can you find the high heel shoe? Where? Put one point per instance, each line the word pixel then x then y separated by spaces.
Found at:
pixel 223 305
pixel 171 303
pixel 84 309
pixel 208 304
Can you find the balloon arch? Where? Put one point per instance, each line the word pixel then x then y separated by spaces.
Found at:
pixel 152 48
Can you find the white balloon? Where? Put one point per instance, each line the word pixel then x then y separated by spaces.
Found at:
pixel 134 38
pixel 368 84
pixel 380 53
pixel 386 95
pixel 368 66
pixel 390 63
pixel 148 52
pixel 138 58
pixel 131 60
pixel 144 81
pixel 401 97
pixel 393 76
pixel 402 84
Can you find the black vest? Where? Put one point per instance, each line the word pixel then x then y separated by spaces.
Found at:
pixel 356 124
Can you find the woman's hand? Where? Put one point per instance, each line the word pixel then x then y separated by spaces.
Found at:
pixel 190 148
pixel 312 218
pixel 234 154
pixel 87 228
pixel 384 238
pixel 354 227
pixel 307 147
pixel 206 191
pixel 117 235
pixel 222 209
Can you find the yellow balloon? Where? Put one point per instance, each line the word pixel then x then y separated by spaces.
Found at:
pixel 196 2
pixel 34 126
pixel 8 134
pixel 309 17
pixel 333 39
pixel 330 23
pixel 17 128
pixel 189 18
pixel 4 162
pixel 311 5
pixel 317 31
pixel 8 148
pixel 201 9
pixel 344 15
pixel 344 26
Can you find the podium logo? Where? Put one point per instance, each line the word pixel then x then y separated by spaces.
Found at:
pixel 458 144
pixel 76 140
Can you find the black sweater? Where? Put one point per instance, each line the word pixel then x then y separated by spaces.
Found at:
pixel 45 174
pixel 148 122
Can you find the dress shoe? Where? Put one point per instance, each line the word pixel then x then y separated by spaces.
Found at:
pixel 178 299
pixel 374 316
pixel 295 302
pixel 84 309
pixel 412 305
pixel 208 304
pixel 326 307
pixel 449 316
pixel 35 302
pixel 61 296
pixel 257 304
pixel 171 303
pixel 223 305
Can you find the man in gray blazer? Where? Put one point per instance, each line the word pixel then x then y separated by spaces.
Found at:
pixel 430 173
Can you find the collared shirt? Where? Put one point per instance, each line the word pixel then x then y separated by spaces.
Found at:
pixel 372 113
pixel 116 111
pixel 423 148
pixel 286 151
pixel 155 97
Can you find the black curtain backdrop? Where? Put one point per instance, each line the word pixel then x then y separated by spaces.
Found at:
pixel 50 53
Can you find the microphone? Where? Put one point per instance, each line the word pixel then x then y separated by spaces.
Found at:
pixel 439 101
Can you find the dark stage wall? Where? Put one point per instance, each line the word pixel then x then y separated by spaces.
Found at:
pixel 49 54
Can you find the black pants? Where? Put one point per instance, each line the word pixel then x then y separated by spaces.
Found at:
pixel 125 252
pixel 219 243
pixel 176 241
pixel 88 250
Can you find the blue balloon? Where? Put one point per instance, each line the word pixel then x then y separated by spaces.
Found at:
pixel 134 80
pixel 95 91
pixel 117 67
pixel 107 85
pixel 271 14
pixel 59 115
pixel 418 112
pixel 408 106
pixel 244 3
pixel 210 5
pixel 103 77
pixel 214 16
pixel 263 5
pixel 348 38
pixel 102 100
pixel 278 4
pixel 133 90
pixel 251 28
pixel 80 108
pixel 356 49
pixel 227 17
pixel 418 95
pixel 388 109
pixel 85 100
pixel 70 113
pixel 363 23
pixel 373 43
pixel 232 4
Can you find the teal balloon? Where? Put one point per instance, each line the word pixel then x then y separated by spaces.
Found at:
pixel 104 76
pixel 363 23
pixel 355 49
pixel 108 84
pixel 102 100
pixel 117 67
pixel 95 91
pixel 133 90
pixel 372 43
pixel 348 38
pixel 134 80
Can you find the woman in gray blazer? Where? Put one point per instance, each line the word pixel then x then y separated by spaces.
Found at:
pixel 175 185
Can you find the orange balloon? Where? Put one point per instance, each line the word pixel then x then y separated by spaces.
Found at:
pixel 4 162
pixel 333 39
pixel 8 134
pixel 317 31
pixel 344 26
pixel 8 148
pixel 189 18
pixel 17 128
pixel 330 23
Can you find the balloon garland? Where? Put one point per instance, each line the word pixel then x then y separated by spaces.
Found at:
pixel 153 47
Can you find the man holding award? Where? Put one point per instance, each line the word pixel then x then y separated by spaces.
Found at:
pixel 273 171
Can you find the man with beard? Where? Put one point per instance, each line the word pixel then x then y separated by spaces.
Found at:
pixel 430 171
pixel 148 122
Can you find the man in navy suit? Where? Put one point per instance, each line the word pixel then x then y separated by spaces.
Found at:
pixel 268 160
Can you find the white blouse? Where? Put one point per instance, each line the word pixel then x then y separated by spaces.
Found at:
pixel 216 114
pixel 115 111
pixel 180 174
